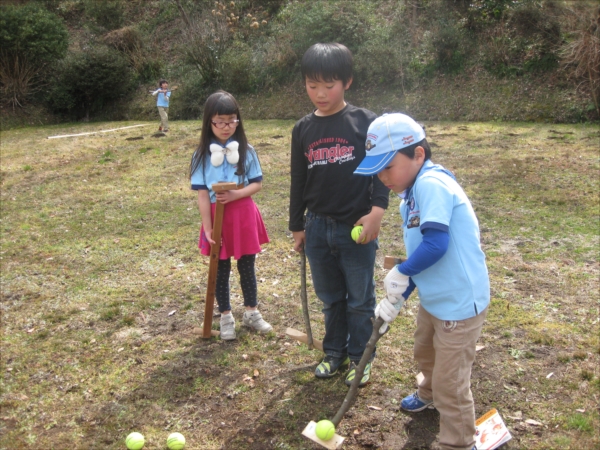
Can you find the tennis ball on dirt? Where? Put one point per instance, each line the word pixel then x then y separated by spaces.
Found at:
pixel 135 441
pixel 325 429
pixel 175 441
pixel 356 232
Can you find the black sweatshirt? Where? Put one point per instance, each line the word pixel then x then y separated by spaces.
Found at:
pixel 325 153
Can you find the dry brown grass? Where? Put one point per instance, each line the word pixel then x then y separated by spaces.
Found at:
pixel 98 246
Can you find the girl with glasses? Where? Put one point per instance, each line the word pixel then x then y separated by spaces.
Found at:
pixel 224 155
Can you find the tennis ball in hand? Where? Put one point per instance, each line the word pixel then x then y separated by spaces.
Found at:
pixel 135 441
pixel 325 429
pixel 356 232
pixel 175 441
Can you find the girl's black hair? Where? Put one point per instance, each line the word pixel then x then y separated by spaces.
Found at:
pixel 221 103
pixel 327 62
pixel 160 83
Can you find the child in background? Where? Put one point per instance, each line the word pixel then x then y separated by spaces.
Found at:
pixel 224 155
pixel 327 146
pixel 163 95
pixel 447 265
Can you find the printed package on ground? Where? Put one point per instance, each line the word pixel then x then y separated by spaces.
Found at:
pixel 491 431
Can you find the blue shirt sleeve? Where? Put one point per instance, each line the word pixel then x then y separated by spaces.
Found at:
pixel 198 179
pixel 253 169
pixel 430 250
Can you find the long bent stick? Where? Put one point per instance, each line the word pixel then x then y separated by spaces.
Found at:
pixel 389 262
pixel 304 298
pixel 360 370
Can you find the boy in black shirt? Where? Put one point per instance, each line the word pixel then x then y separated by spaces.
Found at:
pixel 327 146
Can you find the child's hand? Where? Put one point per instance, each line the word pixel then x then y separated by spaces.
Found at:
pixel 299 239
pixel 227 196
pixel 396 284
pixel 208 235
pixel 371 224
pixel 388 310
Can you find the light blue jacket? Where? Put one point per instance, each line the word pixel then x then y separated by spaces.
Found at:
pixel 457 287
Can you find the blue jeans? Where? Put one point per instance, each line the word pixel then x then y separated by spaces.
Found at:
pixel 342 274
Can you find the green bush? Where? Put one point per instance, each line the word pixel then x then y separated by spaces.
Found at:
pixel 481 13
pixel 449 47
pixel 383 59
pixel 150 69
pixel 203 43
pixel 130 43
pixel 108 14
pixel 526 40
pixel 189 100
pixel 237 69
pixel 31 39
pixel 33 32
pixel 87 82
pixel 307 23
pixel 540 35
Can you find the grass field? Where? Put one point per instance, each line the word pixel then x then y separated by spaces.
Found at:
pixel 102 285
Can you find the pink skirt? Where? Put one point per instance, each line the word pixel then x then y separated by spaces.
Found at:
pixel 243 230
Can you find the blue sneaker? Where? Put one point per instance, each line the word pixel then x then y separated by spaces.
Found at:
pixel 413 403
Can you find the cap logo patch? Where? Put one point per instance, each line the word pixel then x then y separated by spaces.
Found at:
pixel 369 145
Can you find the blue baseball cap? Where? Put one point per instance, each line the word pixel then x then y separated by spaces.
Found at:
pixel 386 135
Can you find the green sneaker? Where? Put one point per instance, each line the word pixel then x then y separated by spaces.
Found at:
pixel 330 365
pixel 352 374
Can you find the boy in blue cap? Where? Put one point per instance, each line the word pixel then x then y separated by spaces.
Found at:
pixel 445 262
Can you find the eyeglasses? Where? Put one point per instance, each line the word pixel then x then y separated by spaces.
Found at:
pixel 221 125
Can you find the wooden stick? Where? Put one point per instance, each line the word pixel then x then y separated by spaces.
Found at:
pixel 389 262
pixel 215 249
pixel 302 337
pixel 304 298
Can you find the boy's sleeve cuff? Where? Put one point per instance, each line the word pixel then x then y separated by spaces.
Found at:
pixel 434 226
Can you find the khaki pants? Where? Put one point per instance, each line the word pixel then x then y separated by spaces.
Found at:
pixel 445 351
pixel 164 117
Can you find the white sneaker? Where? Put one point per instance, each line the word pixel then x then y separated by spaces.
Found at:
pixel 253 319
pixel 227 327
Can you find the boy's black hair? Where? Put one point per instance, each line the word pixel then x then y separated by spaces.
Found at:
pixel 327 62
pixel 160 83
pixel 224 104
pixel 410 150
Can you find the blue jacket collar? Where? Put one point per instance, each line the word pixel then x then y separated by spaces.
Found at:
pixel 426 167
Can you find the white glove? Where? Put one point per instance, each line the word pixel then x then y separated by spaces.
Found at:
pixel 395 284
pixel 388 310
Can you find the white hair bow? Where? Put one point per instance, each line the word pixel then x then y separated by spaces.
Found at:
pixel 218 153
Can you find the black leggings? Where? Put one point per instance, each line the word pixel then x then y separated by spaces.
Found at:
pixel 245 267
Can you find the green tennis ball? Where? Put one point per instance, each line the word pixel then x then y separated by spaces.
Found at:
pixel 135 441
pixel 325 428
pixel 175 441
pixel 356 232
